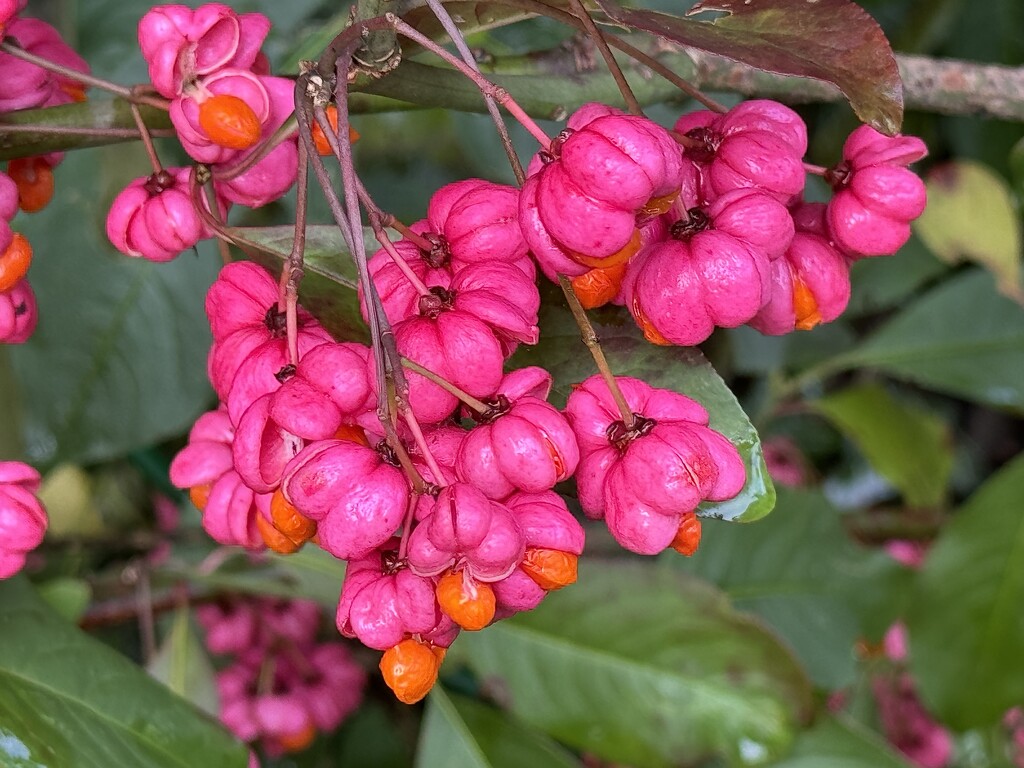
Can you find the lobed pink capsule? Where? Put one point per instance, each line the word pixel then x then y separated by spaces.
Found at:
pixel 467 531
pixel 530 447
pixel 181 44
pixel 357 500
pixel 644 478
pixel 19 314
pixel 478 220
pixel 876 196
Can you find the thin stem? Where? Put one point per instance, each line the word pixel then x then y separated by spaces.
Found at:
pixel 685 141
pixel 448 23
pixel 477 405
pixel 291 273
pixel 410 510
pixel 817 170
pixel 80 77
pixel 634 53
pixel 237 168
pixel 421 443
pixel 400 262
pixel 418 240
pixel 485 86
pixel 591 342
pixel 613 66
pixel 147 140
pixel 76 130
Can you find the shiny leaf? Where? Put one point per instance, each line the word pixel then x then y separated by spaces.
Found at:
pixel 638 664
pixel 836 742
pixel 962 337
pixel 69 700
pixel 831 40
pixel 183 665
pixel 796 570
pixel 966 624
pixel 909 446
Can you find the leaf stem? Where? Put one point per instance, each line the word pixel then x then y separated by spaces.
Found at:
pixel 593 345
pixel 81 77
pixel 580 12
pixel 477 405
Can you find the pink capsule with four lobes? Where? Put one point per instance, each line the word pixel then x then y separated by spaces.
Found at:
pixel 23 520
pixel 27 86
pixel 644 477
pixel 357 500
pixel 594 180
pixel 154 217
pixel 876 195
pixel 468 532
pixel 330 387
pixel 715 271
pixel 528 447
pixel 478 220
pixel 383 601
pixel 262 448
pixel 181 44
pixel 757 144
pixel 9 9
pixel 18 313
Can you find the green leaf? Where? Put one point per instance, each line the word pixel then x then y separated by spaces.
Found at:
pixel 837 742
pixel 119 358
pixel 795 570
pixel 641 665
pixel 68 700
pixel 459 732
pixel 683 370
pixel 971 216
pixel 831 40
pixel 329 288
pixel 909 446
pixel 68 597
pixel 881 284
pixel 183 665
pixel 962 338
pixel 966 624
pixel 11 448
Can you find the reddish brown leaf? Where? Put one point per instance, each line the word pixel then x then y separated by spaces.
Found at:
pixel 831 40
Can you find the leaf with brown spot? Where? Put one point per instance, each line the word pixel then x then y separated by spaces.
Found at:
pixel 831 40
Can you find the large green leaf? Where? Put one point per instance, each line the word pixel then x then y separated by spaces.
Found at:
pixel 119 358
pixel 962 337
pixel 908 445
pixel 836 742
pixel 458 732
pixel 831 40
pixel 971 216
pixel 966 620
pixel 68 700
pixel 642 665
pixel 329 287
pixel 683 370
pixel 796 570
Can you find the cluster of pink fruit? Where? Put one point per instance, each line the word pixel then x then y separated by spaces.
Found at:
pixel 224 106
pixel 463 527
pixel 282 686
pixel 28 182
pixel 706 226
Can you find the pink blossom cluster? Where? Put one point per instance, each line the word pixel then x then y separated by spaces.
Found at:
pixel 224 105
pixel 282 686
pixel 715 232
pixel 23 519
pixel 28 182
